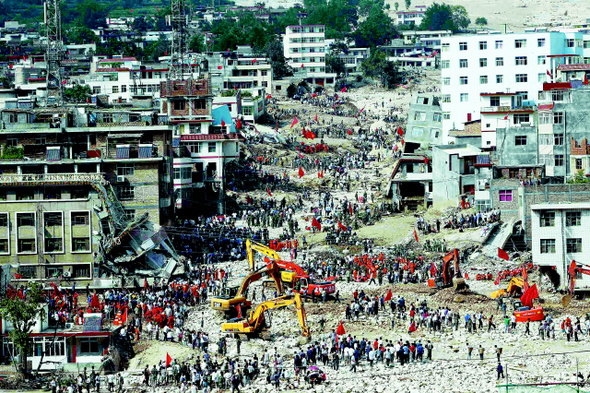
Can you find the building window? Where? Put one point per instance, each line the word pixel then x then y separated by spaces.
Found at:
pixel 25 219
pixel 520 43
pixel 521 78
pixel 125 169
pixel 420 116
pixel 499 78
pixel 89 347
pixel 80 244
pixel 547 246
pixel 194 147
pixel 463 63
pixel 179 105
pixel 445 98
pixel 540 42
pixel 437 117
pixel 520 140
pixel 483 80
pixel 545 140
pixel 462 45
pixel 541 60
pixel 494 101
pixel 80 218
pixel 570 42
pixel 464 97
pixel 446 47
pixel 573 245
pixel 126 193
pixel 96 90
pixel 505 195
pixel 483 45
pixel 53 245
pixel 129 214
pixel 27 271
pixel 446 115
pixel 445 64
pixel 545 118
pixel 12 142
pixel 123 88
pixel 446 81
pixel 579 163
pixel 26 246
pixel 41 140
pixel 542 77
pixel 499 44
pixel 547 219
pixel 499 61
pixel 559 160
pixel 558 139
pixel 115 89
pixel 573 219
pixel 558 118
pixel 212 146
pixel 483 62
pixel 462 80
pixel 519 118
pixel 53 219
pixel 80 271
pixel 520 60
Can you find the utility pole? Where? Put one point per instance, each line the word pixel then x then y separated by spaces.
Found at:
pixel 179 63
pixel 54 53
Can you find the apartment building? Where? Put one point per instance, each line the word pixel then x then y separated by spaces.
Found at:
pixel 73 183
pixel 559 236
pixel 305 50
pixel 413 17
pixel 424 122
pixel 499 75
pixel 204 141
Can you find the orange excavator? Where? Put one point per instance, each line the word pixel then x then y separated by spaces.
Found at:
pixel 574 270
pixel 446 279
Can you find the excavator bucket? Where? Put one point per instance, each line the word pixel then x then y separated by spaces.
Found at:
pixel 459 284
pixel 565 301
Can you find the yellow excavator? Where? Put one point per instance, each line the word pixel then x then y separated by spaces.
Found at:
pixel 515 287
pixel 259 319
pixel 253 246
pixel 233 301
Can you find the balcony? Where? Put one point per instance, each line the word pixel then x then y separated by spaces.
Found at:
pixel 51 179
pixel 506 109
pixel 127 151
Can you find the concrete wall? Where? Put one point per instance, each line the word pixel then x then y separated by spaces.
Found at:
pixel 424 121
pixel 509 153
pixel 445 184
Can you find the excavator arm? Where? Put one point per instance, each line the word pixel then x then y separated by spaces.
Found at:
pixel 253 246
pixel 301 315
pixel 272 270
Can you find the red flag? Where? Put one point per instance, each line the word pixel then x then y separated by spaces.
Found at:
pixel 341 226
pixel 585 79
pixel 316 223
pixel 168 359
pixel 506 117
pixel 254 61
pixel 222 123
pixel 219 67
pixel 502 254
pixel 340 330
pixel 311 135
pixel 235 87
pixel 415 235
pixel 322 174
pixel 319 174
pixel 56 291
pixel 239 124
pixel 295 121
pixel 426 160
pixel 343 90
pixel 412 327
pixel 529 295
pixel 388 296
pixel 349 132
pixel 145 283
pixel 94 303
pixel 301 65
pixel 400 132
pixel 316 117
pixel 350 208
pixel 124 319
pixel 362 110
pixel 301 173
pixel 268 191
pixel 550 76
pixel 17 276
pixel 497 280
pixel 268 96
pixel 402 142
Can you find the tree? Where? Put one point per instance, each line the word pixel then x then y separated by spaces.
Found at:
pixel 377 66
pixel 481 21
pixel 80 35
pixel 78 93
pixel 274 52
pixel 22 313
pixel 140 24
pixel 396 5
pixel 375 30
pixel 408 4
pixel 334 63
pixel 460 17
pixel 364 7
pixel 197 44
pixel 445 17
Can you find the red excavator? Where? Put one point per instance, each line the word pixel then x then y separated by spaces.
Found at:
pixel 446 279
pixel 572 272
pixel 523 308
pixel 294 277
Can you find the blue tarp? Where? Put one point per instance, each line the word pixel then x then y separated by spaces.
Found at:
pixel 222 112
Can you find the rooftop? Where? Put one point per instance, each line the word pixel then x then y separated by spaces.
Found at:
pixel 561 206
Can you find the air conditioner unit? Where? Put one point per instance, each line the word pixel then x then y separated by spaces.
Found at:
pixel 120 179
pixel 67 273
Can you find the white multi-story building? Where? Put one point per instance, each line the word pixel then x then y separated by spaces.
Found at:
pixel 559 236
pixel 410 17
pixel 305 50
pixel 476 68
